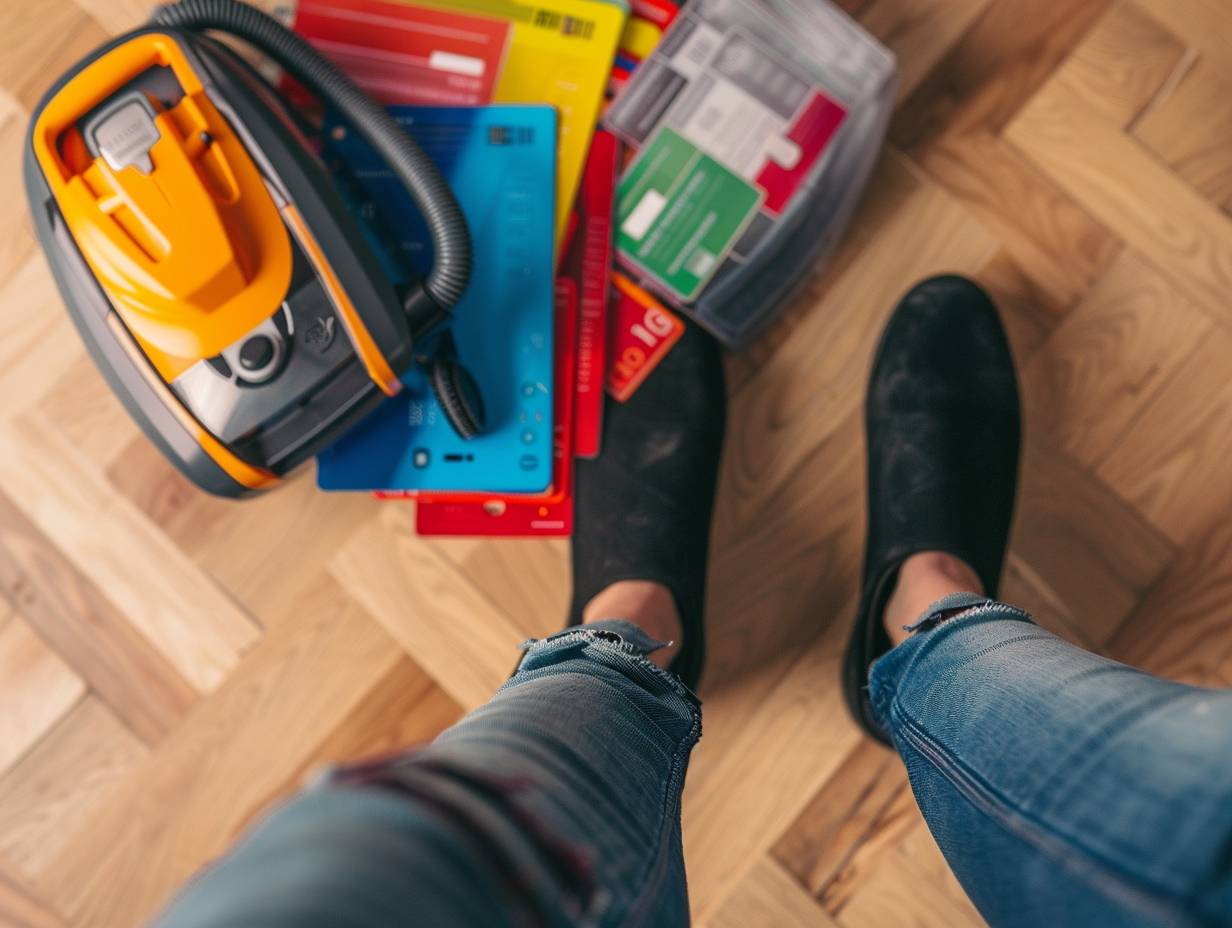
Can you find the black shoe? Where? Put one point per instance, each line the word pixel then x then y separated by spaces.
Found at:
pixel 943 426
pixel 644 506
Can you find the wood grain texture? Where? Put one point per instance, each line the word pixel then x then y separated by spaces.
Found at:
pixel 187 803
pixel 1179 629
pixel 1110 359
pixel 18 906
pixel 768 897
pixel 1075 136
pixel 37 340
pixel 17 244
pixel 1071 155
pixel 182 612
pixel 73 616
pixel 919 32
pixel 1122 63
pixel 1190 127
pixel 841 816
pixel 1172 464
pixel 1089 555
pixel 68 777
pixel 37 689
pixel 423 601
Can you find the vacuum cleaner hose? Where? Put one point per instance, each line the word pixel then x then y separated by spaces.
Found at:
pixel 417 172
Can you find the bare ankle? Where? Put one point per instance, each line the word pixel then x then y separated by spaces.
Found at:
pixel 923 579
pixel 648 605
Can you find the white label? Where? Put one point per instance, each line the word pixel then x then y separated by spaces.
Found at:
pixel 456 64
pixel 693 56
pixel 644 215
pixel 732 127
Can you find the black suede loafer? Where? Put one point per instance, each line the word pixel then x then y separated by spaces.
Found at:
pixel 944 429
pixel 644 506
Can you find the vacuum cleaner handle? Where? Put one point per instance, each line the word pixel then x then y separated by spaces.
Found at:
pixel 450 237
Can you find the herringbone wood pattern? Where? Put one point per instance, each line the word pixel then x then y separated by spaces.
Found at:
pixel 170 664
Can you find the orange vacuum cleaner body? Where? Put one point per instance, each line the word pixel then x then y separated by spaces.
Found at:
pixel 210 264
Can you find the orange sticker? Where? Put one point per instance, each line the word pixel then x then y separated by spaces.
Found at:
pixel 642 332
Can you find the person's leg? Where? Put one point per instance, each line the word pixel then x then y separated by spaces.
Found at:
pixel 1063 788
pixel 558 802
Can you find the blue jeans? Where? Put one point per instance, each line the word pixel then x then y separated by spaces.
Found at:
pixel 1063 788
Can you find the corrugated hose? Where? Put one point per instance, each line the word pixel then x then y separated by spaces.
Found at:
pixel 450 237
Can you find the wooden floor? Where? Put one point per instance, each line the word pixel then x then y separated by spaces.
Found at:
pixel 170 664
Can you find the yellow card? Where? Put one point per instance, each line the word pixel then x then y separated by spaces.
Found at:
pixel 561 54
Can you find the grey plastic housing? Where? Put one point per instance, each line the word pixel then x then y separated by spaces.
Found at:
pixel 304 424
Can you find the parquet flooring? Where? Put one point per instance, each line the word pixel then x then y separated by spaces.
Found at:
pixel 171 664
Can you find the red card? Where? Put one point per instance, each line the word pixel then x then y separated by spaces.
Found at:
pixel 641 335
pixel 546 516
pixel 590 262
pixel 400 53
pixel 812 132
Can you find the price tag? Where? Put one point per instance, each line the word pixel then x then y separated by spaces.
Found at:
pixel 642 333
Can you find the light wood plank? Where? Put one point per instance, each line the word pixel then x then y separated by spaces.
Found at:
pixel 1110 359
pixel 116 16
pixel 297 528
pixel 1093 554
pixel 37 340
pixel 284 699
pixel 899 893
pixel 87 631
pixel 19 908
pixel 528 580
pixel 1056 242
pixel 1121 65
pixel 37 689
pixel 769 898
pixel 68 777
pixel 1173 463
pixel 919 32
pixel 83 408
pixel 31 35
pixel 1179 629
pixel 17 244
pixel 183 613
pixel 427 604
pixel 1125 187
pixel 741 763
pixel 1203 25
pixel 842 816
pixel 404 710
pixel 991 72
pixel 1190 127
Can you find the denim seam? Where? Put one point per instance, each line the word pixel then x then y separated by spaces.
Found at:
pixel 1086 863
pixel 671 806
pixel 673 786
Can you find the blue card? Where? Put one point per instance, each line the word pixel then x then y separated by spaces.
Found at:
pixel 501 163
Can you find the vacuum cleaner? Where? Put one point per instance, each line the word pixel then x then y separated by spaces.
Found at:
pixel 208 258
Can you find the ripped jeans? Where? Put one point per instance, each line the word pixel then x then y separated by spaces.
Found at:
pixel 1063 788
pixel 557 803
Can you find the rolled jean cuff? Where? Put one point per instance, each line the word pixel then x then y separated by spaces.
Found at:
pixel 938 627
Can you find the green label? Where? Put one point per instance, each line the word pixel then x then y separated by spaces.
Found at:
pixel 680 212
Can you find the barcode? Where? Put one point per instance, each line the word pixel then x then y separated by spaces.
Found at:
pixel 566 25
pixel 511 135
